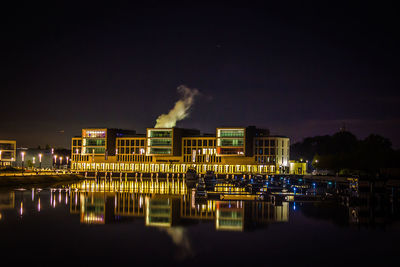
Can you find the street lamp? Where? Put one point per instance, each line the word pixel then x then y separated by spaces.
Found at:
pixel 22 159
pixel 40 161
pixel 60 161
pixel 55 161
pixel 67 161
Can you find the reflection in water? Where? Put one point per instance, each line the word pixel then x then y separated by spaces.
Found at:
pixel 181 239
pixel 7 201
pixel 168 204
pixel 162 213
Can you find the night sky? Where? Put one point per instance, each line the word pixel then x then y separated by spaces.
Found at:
pixel 299 70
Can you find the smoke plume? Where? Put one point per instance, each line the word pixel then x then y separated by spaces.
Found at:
pixel 180 110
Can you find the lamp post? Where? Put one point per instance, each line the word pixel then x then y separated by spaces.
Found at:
pixel 60 162
pixel 40 161
pixel 55 161
pixel 67 161
pixel 22 159
pixel 1 164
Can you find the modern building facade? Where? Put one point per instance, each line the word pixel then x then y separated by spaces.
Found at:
pixel 7 152
pixel 298 168
pixel 231 150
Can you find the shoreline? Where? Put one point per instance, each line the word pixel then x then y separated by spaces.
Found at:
pixel 13 182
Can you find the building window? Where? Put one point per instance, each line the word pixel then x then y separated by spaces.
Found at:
pixel 272 143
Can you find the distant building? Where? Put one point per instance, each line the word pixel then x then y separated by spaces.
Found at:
pixel 298 168
pixel 7 152
pixel 232 150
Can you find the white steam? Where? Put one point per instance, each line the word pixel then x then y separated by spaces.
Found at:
pixel 180 110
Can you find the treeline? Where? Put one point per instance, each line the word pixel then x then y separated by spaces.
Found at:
pixel 344 154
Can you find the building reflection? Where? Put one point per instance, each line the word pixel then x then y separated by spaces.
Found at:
pixel 7 202
pixel 167 204
pixel 96 208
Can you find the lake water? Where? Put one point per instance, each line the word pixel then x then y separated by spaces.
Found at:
pixel 162 223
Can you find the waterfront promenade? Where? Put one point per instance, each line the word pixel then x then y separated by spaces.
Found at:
pixel 18 178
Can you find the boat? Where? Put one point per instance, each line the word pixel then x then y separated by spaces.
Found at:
pixel 201 191
pixel 210 180
pixel 191 177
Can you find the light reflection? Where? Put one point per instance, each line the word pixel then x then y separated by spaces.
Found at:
pixel 162 203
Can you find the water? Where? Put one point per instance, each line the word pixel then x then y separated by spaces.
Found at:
pixel 162 223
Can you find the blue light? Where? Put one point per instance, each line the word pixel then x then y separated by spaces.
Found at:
pixel 329 182
pixel 300 180
pixel 294 205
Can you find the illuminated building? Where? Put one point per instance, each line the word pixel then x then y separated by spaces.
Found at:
pixel 298 168
pixel 7 152
pixel 232 150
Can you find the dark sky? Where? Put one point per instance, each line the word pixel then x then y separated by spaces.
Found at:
pixel 299 70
